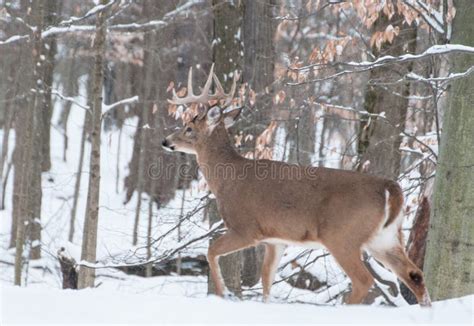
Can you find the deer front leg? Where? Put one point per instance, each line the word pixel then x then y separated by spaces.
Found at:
pixel 226 244
pixel 271 259
pixel 352 264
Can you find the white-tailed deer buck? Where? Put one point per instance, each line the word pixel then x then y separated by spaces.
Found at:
pixel 278 204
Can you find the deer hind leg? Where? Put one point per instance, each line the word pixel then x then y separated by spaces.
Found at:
pixel 351 263
pixel 398 262
pixel 224 245
pixel 271 259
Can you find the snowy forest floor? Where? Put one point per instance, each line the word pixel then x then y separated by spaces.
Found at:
pixel 35 305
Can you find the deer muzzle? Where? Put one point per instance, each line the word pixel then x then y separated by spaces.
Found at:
pixel 167 145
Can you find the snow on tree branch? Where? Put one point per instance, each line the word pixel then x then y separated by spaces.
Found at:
pixel 70 99
pixel 110 107
pixel 106 107
pixel 358 67
pixel 68 26
pixel 92 12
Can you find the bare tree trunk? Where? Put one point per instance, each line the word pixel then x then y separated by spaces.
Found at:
pixel 22 158
pixel 149 267
pixel 3 160
pixel 137 217
pixel 141 168
pixel 227 23
pixel 22 161
pixel 4 187
pixel 48 51
pixel 380 139
pixel 77 185
pixel 70 91
pixel 27 156
pixel 258 70
pixel 449 261
pixel 117 166
pixel 89 238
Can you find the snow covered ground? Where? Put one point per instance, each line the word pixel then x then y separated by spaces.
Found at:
pixel 54 306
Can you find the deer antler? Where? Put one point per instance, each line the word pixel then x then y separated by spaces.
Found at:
pixel 220 93
pixel 204 97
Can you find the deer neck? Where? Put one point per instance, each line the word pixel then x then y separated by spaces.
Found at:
pixel 216 155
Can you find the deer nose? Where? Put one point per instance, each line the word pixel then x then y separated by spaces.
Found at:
pixel 167 145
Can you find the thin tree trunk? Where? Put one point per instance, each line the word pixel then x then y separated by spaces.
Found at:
pixel 149 266
pixel 137 217
pixel 89 240
pixel 48 51
pixel 449 263
pixel 77 185
pixel 70 91
pixel 117 166
pixel 3 160
pixel 181 214
pixel 4 187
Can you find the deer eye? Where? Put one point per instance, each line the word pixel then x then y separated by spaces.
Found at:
pixel 189 129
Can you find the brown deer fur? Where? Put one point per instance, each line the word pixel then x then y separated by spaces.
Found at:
pixel 263 201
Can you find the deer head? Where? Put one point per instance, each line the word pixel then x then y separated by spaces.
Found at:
pixel 208 111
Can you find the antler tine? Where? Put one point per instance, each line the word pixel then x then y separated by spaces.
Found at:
pixel 230 97
pixel 220 89
pixel 190 82
pixel 204 97
pixel 221 94
pixel 191 97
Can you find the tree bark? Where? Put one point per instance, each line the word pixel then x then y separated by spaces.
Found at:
pixel 258 71
pixel 226 54
pixel 68 270
pixel 48 51
pixel 449 263
pixel 8 119
pixel 89 237
pixel 77 185
pixel 380 140
pixel 27 156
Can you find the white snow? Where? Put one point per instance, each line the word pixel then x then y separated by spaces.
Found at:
pixel 32 305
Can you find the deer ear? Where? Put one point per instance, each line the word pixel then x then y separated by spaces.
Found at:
pixel 231 116
pixel 213 116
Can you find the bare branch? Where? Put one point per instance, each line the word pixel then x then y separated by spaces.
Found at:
pixel 164 256
pixel 68 26
pixel 70 99
pixel 110 107
pixel 388 59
